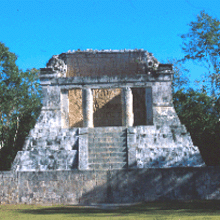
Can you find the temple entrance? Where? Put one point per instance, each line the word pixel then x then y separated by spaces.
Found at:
pixel 142 106
pixel 107 110
pixel 139 107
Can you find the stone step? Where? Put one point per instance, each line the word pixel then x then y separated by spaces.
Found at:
pixel 112 135
pixel 103 166
pixel 108 137
pixel 106 140
pixel 106 145
pixel 106 129
pixel 107 154
pixel 107 149
pixel 93 145
pixel 107 160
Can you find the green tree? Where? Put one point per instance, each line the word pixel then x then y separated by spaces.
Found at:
pixel 199 109
pixel 20 104
pixel 202 44
pixel 181 75
pixel 200 113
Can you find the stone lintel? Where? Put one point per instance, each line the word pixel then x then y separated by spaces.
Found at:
pixel 167 77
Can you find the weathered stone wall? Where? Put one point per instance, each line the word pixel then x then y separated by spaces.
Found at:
pixel 99 64
pixel 107 107
pixel 51 96
pixel 162 93
pixel 75 108
pixel 8 187
pixel 165 116
pixel 161 147
pixel 48 149
pixel 113 186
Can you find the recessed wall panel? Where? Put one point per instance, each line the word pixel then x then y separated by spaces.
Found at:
pixel 75 108
pixel 107 107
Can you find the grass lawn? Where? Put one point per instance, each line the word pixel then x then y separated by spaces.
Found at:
pixel 151 210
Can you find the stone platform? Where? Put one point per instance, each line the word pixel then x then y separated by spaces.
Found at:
pixel 110 186
pixel 110 148
pixel 107 110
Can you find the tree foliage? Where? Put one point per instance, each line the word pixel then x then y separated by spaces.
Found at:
pixel 20 104
pixel 180 77
pixel 200 113
pixel 199 109
pixel 202 44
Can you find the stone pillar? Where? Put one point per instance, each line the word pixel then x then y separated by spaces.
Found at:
pixel 87 104
pixel 149 107
pixel 127 107
pixel 64 108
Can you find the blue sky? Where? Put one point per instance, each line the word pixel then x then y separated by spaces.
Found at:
pixel 37 29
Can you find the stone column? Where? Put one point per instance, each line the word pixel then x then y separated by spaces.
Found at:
pixel 64 108
pixel 127 107
pixel 87 104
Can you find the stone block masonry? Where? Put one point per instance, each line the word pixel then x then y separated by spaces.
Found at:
pixel 101 108
pixel 107 133
pixel 144 147
pixel 8 187
pixel 113 186
pixel 113 63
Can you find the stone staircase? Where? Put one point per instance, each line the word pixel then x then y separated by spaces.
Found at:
pixel 107 148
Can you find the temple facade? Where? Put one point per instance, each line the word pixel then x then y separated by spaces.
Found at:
pixel 109 109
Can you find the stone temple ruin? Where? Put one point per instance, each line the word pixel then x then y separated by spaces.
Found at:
pixel 109 109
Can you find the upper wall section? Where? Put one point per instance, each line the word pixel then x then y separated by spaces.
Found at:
pixel 110 63
pixel 105 63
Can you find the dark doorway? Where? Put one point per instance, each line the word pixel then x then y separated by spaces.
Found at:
pixel 139 107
